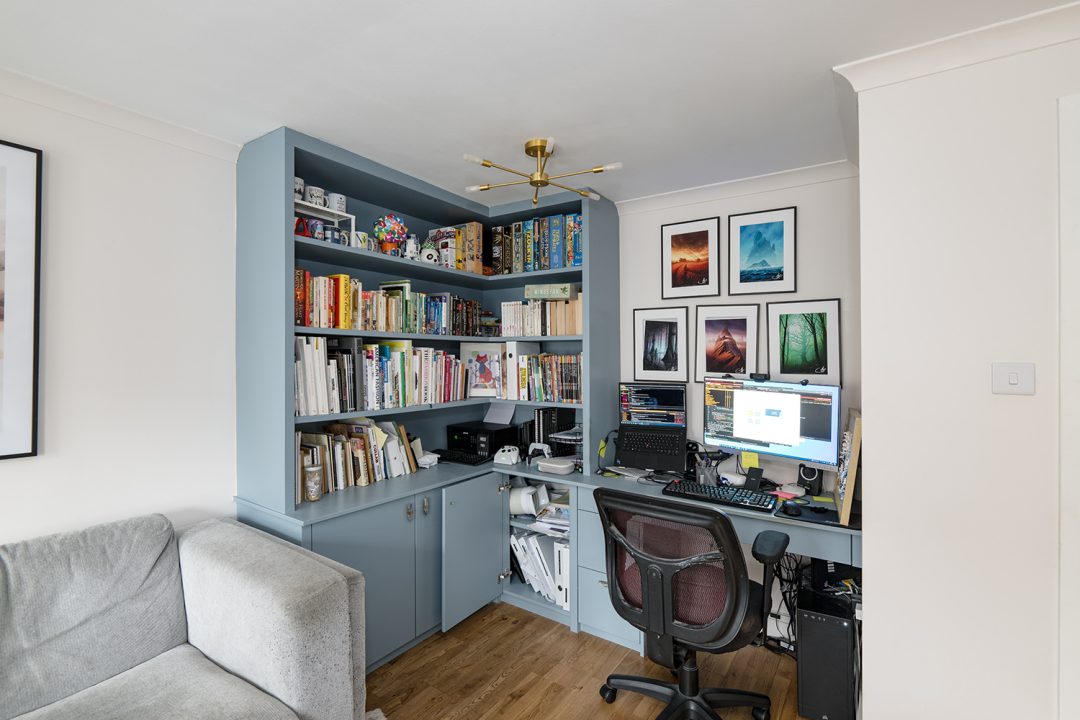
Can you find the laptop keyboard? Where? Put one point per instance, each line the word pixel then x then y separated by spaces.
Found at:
pixel 650 442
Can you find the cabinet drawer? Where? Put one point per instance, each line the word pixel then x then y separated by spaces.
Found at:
pixel 596 614
pixel 590 541
pixel 585 500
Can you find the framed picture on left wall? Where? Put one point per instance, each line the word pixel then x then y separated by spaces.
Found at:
pixel 20 251
pixel 660 344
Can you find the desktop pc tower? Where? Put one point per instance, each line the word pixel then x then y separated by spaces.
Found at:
pixel 828 658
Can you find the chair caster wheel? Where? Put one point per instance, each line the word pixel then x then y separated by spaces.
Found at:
pixel 608 693
pixel 760 713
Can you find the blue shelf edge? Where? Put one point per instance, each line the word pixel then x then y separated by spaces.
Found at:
pixel 388 334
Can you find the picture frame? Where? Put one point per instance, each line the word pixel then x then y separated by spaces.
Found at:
pixel 482 369
pixel 660 344
pixel 847 472
pixel 761 252
pixel 804 341
pixel 690 258
pixel 20 274
pixel 726 341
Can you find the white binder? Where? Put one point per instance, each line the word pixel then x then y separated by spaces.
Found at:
pixel 562 574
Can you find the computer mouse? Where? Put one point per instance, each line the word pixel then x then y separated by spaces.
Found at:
pixel 790 507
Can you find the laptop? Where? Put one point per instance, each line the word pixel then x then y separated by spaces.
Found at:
pixel 652 426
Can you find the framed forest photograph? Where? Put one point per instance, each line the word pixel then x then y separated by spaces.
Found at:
pixel 761 246
pixel 727 341
pixel 690 258
pixel 660 347
pixel 804 341
pixel 20 241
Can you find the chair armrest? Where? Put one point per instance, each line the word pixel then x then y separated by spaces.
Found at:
pixel 769 546
pixel 282 618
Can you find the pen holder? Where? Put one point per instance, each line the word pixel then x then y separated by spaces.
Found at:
pixel 708 476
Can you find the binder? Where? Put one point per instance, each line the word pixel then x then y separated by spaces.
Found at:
pixel 562 574
pixel 544 555
pixel 513 350
pixel 518 545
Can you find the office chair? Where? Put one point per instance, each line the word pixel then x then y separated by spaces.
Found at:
pixel 676 572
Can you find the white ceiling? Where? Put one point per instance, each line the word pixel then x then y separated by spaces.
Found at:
pixel 683 92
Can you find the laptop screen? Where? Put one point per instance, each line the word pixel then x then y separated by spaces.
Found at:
pixel 652 404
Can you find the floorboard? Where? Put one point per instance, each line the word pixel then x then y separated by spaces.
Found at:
pixel 504 663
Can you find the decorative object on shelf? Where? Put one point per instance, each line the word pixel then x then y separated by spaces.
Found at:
pixel 390 232
pixel 314 195
pixel 412 247
pixel 727 341
pixel 690 258
pixel 313 482
pixel 541 149
pixel 848 471
pixel 364 241
pixel 804 341
pixel 429 254
pixel 660 347
pixel 482 371
pixel 761 252
pixel 298 188
pixel 336 202
pixel 20 257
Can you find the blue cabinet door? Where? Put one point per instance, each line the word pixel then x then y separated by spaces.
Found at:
pixel 428 561
pixel 476 537
pixel 381 543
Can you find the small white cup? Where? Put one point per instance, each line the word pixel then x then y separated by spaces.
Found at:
pixel 336 202
pixel 298 188
pixel 315 195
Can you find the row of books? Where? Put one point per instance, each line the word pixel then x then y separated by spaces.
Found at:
pixel 546 243
pixel 541 377
pixel 355 454
pixel 544 564
pixel 339 301
pixel 338 375
pixel 535 318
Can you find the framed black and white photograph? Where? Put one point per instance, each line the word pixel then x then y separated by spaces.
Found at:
pixel 690 258
pixel 804 341
pixel 20 241
pixel 660 346
pixel 726 341
pixel 761 252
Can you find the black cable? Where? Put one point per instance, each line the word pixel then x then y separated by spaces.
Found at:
pixel 607 438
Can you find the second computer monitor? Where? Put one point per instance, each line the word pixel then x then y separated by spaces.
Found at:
pixel 788 420
pixel 652 426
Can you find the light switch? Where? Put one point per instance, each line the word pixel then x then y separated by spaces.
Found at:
pixel 1012 378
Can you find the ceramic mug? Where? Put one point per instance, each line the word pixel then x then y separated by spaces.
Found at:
pixel 298 188
pixel 315 196
pixel 336 201
pixel 315 229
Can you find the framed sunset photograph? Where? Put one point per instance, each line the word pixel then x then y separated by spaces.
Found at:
pixel 690 258
pixel 727 341
pixel 804 341
pixel 761 250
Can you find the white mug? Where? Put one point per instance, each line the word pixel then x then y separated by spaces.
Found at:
pixel 298 188
pixel 336 201
pixel 315 196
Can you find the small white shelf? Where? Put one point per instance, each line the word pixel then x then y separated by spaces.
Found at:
pixel 323 213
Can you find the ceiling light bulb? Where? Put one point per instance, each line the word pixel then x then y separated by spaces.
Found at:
pixel 550 147
pixel 473 159
pixel 472 188
pixel 593 196
pixel 613 166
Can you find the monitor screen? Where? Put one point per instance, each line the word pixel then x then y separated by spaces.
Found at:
pixel 799 422
pixel 652 404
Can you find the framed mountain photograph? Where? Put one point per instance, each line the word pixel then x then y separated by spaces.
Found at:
pixel 20 249
pixel 804 341
pixel 727 341
pixel 660 347
pixel 761 249
pixel 690 259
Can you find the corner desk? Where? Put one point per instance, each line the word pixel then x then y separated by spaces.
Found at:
pixel 434 547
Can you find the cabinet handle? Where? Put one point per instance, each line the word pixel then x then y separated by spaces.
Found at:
pixel 603 583
pixel 504 487
pixel 426 505
pixel 409 511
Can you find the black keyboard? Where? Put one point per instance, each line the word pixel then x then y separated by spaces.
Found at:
pixel 651 442
pixel 461 457
pixel 722 495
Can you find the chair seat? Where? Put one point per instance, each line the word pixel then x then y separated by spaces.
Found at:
pixel 179 684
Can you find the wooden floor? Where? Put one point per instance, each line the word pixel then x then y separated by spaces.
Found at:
pixel 508 663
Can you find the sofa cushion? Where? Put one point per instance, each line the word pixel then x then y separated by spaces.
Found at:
pixel 79 607
pixel 179 684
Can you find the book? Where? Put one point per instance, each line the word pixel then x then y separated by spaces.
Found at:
pixel 542 244
pixel 518 264
pixel 556 243
pixel 551 291
pixel 529 249
pixel 496 262
pixel 572 233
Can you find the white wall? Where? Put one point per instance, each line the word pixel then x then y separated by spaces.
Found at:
pixel 959 188
pixel 137 388
pixel 827 246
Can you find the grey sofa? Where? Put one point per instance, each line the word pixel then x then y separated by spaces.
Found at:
pixel 127 621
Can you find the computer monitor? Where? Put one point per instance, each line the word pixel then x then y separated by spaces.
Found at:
pixel 786 420
pixel 652 404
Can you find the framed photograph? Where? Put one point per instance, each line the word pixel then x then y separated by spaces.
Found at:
pixel 482 371
pixel 660 347
pixel 20 250
pixel 804 341
pixel 727 341
pixel 690 258
pixel 761 249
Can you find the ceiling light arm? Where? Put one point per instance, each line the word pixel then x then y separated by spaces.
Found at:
pixel 582 193
pixel 597 169
pixel 492 186
pixel 536 196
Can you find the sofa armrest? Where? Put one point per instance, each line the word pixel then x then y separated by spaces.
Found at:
pixel 286 620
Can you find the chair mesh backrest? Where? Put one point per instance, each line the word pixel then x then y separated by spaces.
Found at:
pixel 699 592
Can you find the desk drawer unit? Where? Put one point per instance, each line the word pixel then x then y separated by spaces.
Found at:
pixel 596 614
pixel 591 542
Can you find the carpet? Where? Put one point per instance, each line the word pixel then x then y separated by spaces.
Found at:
pixel 376 715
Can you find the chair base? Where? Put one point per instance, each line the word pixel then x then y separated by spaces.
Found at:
pixel 682 706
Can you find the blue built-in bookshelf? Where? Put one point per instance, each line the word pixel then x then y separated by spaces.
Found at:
pixel 268 251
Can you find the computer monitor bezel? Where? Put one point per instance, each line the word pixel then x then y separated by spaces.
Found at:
pixel 736 447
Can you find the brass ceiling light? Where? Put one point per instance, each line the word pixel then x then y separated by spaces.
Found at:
pixel 541 149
